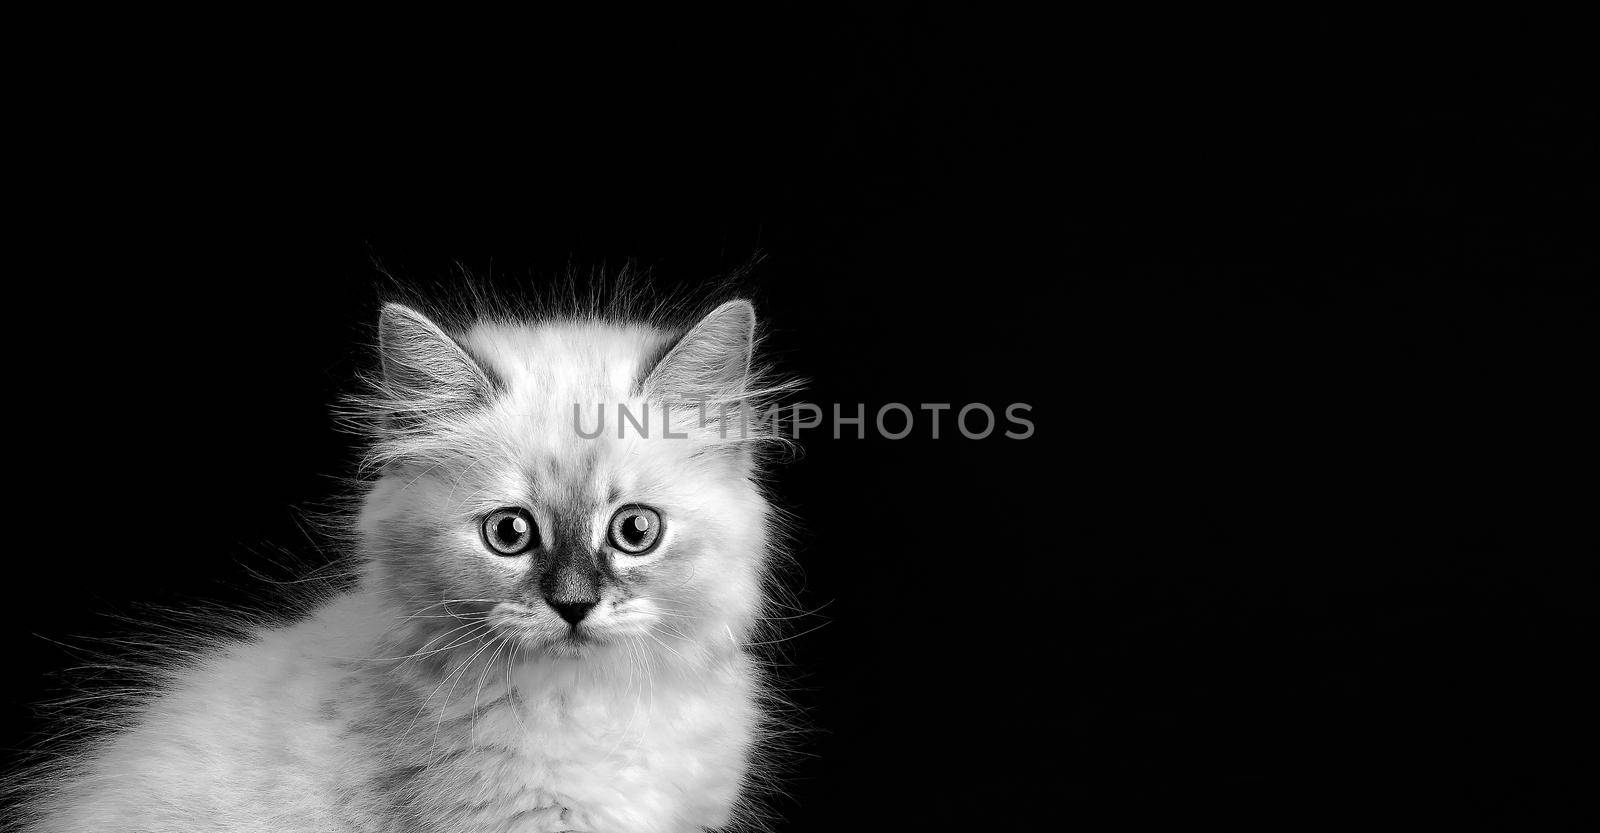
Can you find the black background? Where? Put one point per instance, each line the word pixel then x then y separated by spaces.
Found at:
pixel 1304 309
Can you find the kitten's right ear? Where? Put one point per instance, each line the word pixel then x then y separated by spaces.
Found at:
pixel 426 373
pixel 710 363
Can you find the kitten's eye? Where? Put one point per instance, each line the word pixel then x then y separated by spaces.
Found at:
pixel 635 529
pixel 510 531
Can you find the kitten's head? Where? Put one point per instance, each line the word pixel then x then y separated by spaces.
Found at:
pixel 498 506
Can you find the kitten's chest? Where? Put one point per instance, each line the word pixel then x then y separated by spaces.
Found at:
pixel 576 759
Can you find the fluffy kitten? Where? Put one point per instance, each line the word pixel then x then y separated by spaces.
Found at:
pixel 549 632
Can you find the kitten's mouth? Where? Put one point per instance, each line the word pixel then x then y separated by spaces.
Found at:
pixel 573 643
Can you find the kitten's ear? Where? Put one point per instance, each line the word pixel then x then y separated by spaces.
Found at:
pixel 426 374
pixel 711 363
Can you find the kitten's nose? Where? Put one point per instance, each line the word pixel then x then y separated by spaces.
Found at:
pixel 573 612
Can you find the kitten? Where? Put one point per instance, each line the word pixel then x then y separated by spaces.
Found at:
pixel 549 631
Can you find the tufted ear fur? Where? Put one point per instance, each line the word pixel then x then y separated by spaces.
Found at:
pixel 426 373
pixel 711 363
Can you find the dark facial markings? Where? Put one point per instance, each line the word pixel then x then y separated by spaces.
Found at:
pixel 573 573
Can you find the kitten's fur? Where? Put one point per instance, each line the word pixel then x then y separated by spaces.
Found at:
pixel 443 692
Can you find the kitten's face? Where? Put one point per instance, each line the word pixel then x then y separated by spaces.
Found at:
pixel 567 545
pixel 568 549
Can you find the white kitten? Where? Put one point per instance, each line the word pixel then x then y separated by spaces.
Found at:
pixel 549 632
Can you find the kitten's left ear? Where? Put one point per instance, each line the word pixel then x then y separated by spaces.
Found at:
pixel 427 374
pixel 711 363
